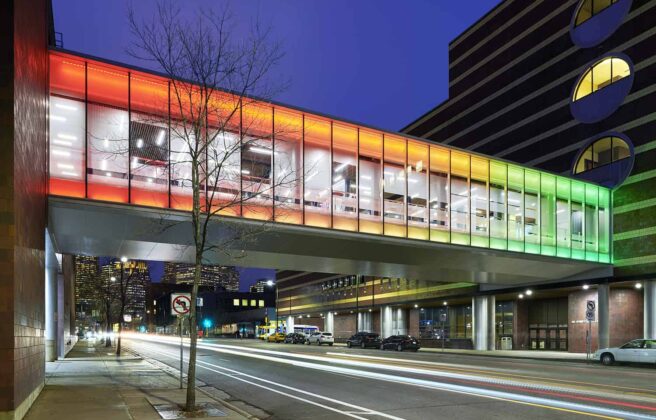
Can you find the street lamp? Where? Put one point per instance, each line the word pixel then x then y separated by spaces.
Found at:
pixel 272 283
pixel 112 278
pixel 124 259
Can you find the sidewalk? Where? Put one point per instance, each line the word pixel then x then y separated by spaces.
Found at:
pixel 92 383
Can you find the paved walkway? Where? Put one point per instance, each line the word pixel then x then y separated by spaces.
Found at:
pixel 92 383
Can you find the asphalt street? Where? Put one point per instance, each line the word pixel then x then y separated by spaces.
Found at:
pixel 310 382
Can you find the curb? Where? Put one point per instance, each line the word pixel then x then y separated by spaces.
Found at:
pixel 168 370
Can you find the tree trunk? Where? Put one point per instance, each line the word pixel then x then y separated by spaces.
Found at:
pixel 193 337
pixel 118 340
pixel 108 340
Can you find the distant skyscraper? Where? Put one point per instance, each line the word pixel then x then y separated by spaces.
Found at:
pixel 136 290
pixel 86 269
pixel 216 276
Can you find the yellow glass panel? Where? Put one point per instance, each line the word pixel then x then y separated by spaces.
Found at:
pixel 479 168
pixel 601 75
pixel 460 164
pixel 621 69
pixel 585 12
pixel 585 86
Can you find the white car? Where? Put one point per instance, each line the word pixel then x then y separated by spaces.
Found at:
pixel 320 338
pixel 635 351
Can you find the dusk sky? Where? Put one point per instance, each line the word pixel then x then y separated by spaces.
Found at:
pixel 368 61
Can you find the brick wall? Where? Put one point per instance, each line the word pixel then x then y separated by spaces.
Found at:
pixel 520 325
pixel 344 326
pixel 413 322
pixel 23 87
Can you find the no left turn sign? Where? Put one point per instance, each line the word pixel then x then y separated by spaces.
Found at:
pixel 180 303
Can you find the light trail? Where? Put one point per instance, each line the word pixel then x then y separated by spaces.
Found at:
pixel 578 408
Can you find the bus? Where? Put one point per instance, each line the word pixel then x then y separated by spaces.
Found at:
pixel 264 330
pixel 305 329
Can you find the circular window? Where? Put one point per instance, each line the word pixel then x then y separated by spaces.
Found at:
pixel 606 160
pixel 596 20
pixel 602 88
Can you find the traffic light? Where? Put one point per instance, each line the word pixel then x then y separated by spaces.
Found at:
pixel 207 323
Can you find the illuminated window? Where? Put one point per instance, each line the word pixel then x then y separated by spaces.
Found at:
pixel 602 74
pixel 253 302
pixel 244 302
pixel 602 152
pixel 235 302
pixel 260 303
pixel 590 8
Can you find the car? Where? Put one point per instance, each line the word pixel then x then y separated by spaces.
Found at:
pixel 276 337
pixel 400 343
pixel 635 351
pixel 363 340
pixel 295 338
pixel 320 338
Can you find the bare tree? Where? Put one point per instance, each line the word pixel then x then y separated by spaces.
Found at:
pixel 105 300
pixel 128 275
pixel 215 123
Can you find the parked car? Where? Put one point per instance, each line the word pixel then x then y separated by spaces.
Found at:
pixel 295 338
pixel 320 338
pixel 363 340
pixel 635 351
pixel 276 337
pixel 400 343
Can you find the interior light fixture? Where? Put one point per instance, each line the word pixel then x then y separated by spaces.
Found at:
pixel 63 153
pixel 586 286
pixel 521 296
pixel 160 137
pixel 638 285
pixel 529 292
pixel 62 143
pixel 66 107
pixel 140 143
pixel 260 150
pixel 65 166
pixel 57 118
pixel 66 136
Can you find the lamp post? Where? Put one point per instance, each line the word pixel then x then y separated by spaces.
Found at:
pixel 271 283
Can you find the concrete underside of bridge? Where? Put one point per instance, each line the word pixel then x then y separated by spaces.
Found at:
pixel 103 229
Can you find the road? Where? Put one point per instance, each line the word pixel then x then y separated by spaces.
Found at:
pixel 310 382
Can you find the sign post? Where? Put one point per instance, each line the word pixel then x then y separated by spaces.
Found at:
pixel 443 320
pixel 590 309
pixel 180 306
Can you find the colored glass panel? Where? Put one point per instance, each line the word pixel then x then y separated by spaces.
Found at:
pixel 67 76
pixel 547 214
pixel 459 198
pixel 344 177
pixel 480 234
pixel 531 211
pixel 515 208
pixel 591 222
pixel 394 186
pixel 288 166
pixel 498 209
pixel 563 213
pixel 257 161
pixel 439 194
pixel 318 162
pixel 417 172
pixel 369 185
pixel 67 162
pixel 577 219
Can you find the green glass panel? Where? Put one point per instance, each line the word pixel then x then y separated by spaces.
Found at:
pixel 563 222
pixel 532 211
pixel 604 225
pixel 498 205
pixel 591 222
pixel 515 208
pixel 548 214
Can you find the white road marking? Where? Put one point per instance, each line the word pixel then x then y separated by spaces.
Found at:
pixel 233 374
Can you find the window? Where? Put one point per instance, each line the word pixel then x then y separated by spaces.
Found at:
pixel 602 74
pixel 253 303
pixel 235 302
pixel 244 302
pixel 590 8
pixel 260 303
pixel 602 152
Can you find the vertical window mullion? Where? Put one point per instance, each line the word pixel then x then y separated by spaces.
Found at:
pixel 86 130
pixel 169 144
pixel 357 177
pixel 273 163
pixel 129 137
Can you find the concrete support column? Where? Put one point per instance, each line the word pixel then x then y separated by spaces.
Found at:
pixel 61 345
pixel 329 325
pixel 603 318
pixel 51 301
pixel 650 309
pixel 386 321
pixel 365 322
pixel 483 318
pixel 400 321
pixel 290 324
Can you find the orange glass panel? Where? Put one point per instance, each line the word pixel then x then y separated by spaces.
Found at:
pixel 417 173
pixel 345 165
pixel 66 76
pixel 224 165
pixel 149 94
pixel 288 166
pixel 66 188
pixel 223 110
pixel 370 182
pixel 317 160
pixel 257 161
pixel 394 191
pixel 107 85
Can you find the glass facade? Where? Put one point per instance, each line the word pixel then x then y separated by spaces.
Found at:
pixel 114 136
pixel 605 72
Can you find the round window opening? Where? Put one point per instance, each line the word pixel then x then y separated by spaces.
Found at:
pixel 602 88
pixel 596 20
pixel 607 160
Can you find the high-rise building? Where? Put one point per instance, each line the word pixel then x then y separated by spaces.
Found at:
pixel 136 286
pixel 216 276
pixel 86 269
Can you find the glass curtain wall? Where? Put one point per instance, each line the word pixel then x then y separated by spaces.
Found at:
pixel 114 137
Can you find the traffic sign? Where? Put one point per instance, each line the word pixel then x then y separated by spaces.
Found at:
pixel 180 303
pixel 590 307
